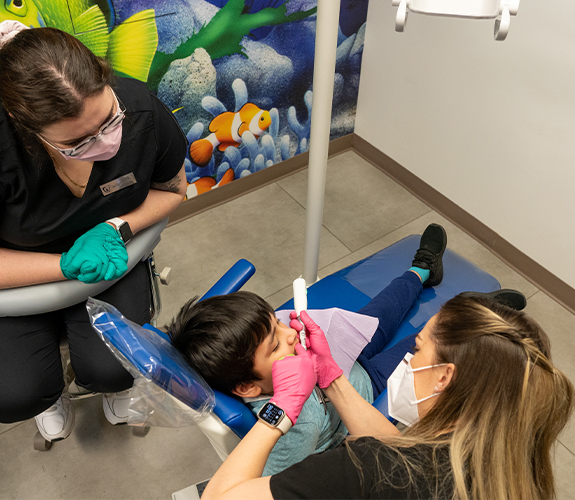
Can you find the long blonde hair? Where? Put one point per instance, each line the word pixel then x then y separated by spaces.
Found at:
pixel 504 408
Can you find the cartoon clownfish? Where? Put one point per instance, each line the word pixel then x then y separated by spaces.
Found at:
pixel 227 129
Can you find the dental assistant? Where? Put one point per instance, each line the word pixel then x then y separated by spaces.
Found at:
pixel 87 160
pixel 484 402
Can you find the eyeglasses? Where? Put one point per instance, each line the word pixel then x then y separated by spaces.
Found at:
pixel 88 142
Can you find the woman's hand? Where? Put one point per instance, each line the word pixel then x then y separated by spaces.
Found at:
pixel 99 254
pixel 294 378
pixel 327 369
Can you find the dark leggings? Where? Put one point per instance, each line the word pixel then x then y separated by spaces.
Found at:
pixel 390 306
pixel 31 377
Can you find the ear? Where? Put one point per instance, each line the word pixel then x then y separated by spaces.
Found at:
pixel 447 374
pixel 247 390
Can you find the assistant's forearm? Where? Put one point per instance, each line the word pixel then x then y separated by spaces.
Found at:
pixel 360 417
pixel 161 201
pixel 240 475
pixel 18 268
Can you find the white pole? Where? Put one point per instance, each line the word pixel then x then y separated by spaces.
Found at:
pixel 323 76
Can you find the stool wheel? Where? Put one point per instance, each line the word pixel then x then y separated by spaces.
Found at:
pixel 141 431
pixel 40 443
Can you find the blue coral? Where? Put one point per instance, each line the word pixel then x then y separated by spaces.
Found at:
pixel 301 130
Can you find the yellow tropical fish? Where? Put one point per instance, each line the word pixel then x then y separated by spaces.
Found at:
pixel 227 129
pixel 130 46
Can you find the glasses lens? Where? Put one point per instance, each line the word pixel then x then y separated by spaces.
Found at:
pixel 81 148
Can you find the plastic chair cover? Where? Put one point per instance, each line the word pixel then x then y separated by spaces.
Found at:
pixel 167 392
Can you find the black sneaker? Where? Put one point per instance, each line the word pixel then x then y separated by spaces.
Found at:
pixel 430 253
pixel 510 298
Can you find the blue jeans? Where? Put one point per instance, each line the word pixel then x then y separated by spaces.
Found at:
pixel 390 306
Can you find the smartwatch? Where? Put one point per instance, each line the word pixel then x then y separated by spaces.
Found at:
pixel 122 227
pixel 275 417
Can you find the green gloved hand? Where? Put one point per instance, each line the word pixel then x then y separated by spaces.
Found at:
pixel 99 254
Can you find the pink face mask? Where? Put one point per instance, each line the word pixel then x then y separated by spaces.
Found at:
pixel 101 147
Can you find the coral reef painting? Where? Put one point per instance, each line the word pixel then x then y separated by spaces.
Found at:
pixel 237 74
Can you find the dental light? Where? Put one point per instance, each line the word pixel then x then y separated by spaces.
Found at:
pixel 500 10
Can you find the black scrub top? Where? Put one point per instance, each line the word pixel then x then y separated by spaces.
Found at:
pixel 37 210
pixel 335 475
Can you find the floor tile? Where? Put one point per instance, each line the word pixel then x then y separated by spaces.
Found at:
pixel 101 461
pixel 362 204
pixel 563 468
pixel 6 427
pixel 265 227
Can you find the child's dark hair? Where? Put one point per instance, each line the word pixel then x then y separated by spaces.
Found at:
pixel 219 336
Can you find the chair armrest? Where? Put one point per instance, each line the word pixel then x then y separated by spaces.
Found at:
pixel 233 279
pixel 37 299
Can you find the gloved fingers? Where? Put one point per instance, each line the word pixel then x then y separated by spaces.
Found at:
pixel 93 271
pixel 116 270
pixel 293 315
pixel 296 325
pixel 66 271
pixel 310 324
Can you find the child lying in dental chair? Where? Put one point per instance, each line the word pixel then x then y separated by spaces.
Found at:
pixel 233 340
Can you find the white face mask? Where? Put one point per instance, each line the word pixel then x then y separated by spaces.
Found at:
pixel 401 399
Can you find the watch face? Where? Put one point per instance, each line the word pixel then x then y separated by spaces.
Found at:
pixel 271 414
pixel 125 232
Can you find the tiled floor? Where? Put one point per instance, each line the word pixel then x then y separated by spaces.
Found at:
pixel 365 211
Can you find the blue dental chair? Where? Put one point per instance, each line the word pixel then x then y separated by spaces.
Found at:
pixel 350 288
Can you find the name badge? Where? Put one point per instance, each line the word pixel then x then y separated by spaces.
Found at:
pixel 117 184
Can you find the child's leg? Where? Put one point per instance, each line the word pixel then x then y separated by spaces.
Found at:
pixel 381 366
pixel 390 307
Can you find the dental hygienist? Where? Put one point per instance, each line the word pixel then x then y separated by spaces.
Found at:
pixel 484 402
pixel 86 161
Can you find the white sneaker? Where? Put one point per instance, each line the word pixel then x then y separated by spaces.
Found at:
pixel 57 421
pixel 116 407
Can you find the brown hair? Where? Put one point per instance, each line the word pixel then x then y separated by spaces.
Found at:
pixel 45 75
pixel 502 412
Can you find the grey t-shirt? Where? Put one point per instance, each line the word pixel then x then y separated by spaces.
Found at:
pixel 314 431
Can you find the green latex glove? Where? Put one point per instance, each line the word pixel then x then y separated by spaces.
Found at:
pixel 99 254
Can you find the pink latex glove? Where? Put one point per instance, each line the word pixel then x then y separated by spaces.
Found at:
pixel 327 369
pixel 294 378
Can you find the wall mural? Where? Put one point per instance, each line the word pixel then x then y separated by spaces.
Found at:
pixel 237 74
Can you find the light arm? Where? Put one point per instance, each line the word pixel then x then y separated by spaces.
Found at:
pixel 239 477
pixel 360 418
pixel 162 200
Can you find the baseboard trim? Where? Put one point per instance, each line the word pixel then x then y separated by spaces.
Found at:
pixel 512 256
pixel 240 187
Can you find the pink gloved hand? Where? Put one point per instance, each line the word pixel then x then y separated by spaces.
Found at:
pixel 294 378
pixel 327 369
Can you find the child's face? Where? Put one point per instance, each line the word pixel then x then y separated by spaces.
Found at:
pixel 280 342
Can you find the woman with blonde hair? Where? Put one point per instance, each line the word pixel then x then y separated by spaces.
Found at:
pixel 483 401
